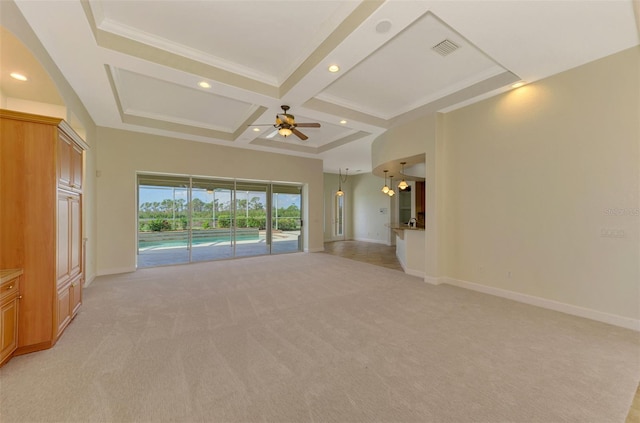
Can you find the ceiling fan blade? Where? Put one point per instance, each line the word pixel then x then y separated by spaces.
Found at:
pixel 272 134
pixel 299 134
pixel 262 124
pixel 308 125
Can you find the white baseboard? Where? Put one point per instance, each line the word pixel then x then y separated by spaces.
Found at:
pixel 612 319
pixel 115 271
pixel 433 280
pixel 88 279
pixel 314 250
pixel 414 273
pixel 409 271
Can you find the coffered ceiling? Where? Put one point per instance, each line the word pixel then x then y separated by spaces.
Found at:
pixel 137 65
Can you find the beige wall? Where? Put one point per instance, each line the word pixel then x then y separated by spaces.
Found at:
pixel 121 154
pixel 534 177
pixel 368 222
pixel 421 136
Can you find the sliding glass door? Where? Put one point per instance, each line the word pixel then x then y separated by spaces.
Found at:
pixel 188 219
pixel 286 219
pixel 163 220
pixel 212 219
pixel 251 235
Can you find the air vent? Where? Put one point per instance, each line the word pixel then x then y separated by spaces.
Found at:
pixel 445 48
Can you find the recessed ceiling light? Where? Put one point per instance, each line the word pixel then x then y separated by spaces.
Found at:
pixel 383 26
pixel 343 121
pixel 18 76
pixel 256 129
pixel 334 68
pixel 204 84
pixel 518 84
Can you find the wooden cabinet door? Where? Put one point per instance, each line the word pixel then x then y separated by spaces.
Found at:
pixel 75 294
pixel 69 236
pixel 8 327
pixel 76 167
pixel 64 237
pixel 64 160
pixel 64 308
pixel 75 234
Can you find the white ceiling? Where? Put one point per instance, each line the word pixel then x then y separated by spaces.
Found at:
pixel 136 65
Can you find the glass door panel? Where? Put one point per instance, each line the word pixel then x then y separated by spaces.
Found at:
pixel 251 235
pixel 286 219
pixel 185 219
pixel 212 219
pixel 339 216
pixel 163 220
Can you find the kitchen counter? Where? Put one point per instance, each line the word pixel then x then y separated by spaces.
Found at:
pixel 399 229
pixel 410 248
pixel 8 274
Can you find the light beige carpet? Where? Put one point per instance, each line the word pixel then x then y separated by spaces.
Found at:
pixel 317 338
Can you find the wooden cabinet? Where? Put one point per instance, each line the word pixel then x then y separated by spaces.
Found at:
pixel 70 163
pixel 69 235
pixel 41 168
pixel 69 298
pixel 9 306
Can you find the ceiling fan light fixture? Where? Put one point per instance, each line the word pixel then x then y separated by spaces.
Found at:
pixel 403 184
pixel 285 132
pixel 385 188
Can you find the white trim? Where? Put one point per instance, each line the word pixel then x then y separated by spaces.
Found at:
pixel 409 271
pixel 612 319
pixel 416 273
pixel 433 280
pixel 89 279
pixel 115 271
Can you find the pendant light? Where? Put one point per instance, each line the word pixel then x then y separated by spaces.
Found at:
pixel 403 184
pixel 391 192
pixel 340 193
pixel 385 188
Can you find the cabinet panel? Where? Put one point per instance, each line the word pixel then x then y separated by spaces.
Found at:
pixel 75 294
pixel 75 235
pixel 64 308
pixel 64 160
pixel 8 327
pixel 9 303
pixel 64 237
pixel 76 167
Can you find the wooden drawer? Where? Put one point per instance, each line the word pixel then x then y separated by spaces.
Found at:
pixel 10 288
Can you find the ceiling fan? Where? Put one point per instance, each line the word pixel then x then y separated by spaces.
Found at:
pixel 286 125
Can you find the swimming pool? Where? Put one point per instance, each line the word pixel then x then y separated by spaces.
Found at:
pixel 196 241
